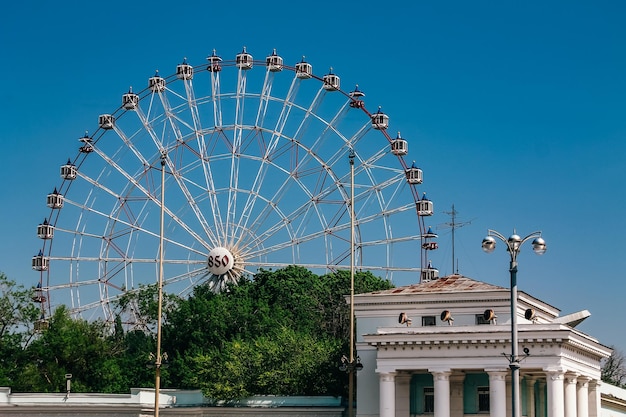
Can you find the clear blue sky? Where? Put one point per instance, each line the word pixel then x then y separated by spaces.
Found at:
pixel 516 112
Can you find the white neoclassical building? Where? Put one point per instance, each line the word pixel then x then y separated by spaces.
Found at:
pixel 442 348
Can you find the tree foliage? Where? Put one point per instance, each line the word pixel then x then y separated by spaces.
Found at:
pixel 614 369
pixel 280 332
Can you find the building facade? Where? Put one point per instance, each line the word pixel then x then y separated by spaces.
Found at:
pixel 443 348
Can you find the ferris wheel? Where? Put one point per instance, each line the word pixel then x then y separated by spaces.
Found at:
pixel 225 168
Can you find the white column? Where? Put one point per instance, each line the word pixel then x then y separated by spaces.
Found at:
pixel 594 398
pixel 497 392
pixel 582 396
pixel 442 392
pixel 403 394
pixel 530 397
pixel 387 394
pixel 541 411
pixel 570 395
pixel 456 393
pixel 556 400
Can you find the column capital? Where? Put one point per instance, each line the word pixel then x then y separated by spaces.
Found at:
pixel 555 373
pixel 497 374
pixel 595 383
pixel 583 381
pixel 570 377
pixel 441 374
pixel 387 376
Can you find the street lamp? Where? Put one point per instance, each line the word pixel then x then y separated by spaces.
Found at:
pixel 513 245
pixel 158 357
pixel 349 364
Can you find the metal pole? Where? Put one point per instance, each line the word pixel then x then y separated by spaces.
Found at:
pixel 514 362
pixel 514 244
pixel 157 382
pixel 351 369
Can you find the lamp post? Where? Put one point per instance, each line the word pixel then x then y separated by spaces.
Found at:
pixel 350 364
pixel 513 245
pixel 158 361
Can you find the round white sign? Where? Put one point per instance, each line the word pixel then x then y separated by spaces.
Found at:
pixel 220 261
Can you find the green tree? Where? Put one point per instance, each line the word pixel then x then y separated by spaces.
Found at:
pixel 282 332
pixel 286 362
pixel 17 315
pixel 72 346
pixel 143 303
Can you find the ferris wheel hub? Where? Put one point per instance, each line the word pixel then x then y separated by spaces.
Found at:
pixel 220 261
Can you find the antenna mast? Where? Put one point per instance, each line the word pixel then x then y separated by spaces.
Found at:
pixel 453 225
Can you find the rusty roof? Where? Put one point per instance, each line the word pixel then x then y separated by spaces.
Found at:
pixel 449 284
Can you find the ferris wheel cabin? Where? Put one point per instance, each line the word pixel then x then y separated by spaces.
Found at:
pixel 243 61
pixel 106 121
pixel 87 146
pixel 39 296
pixel 380 120
pixel 274 62
pixel 40 262
pixel 427 240
pixel 45 230
pixel 214 62
pixel 356 96
pixel 430 273
pixel 399 146
pixel 184 71
pixel 424 206
pixel 414 175
pixel 54 200
pixel 304 70
pixel 331 81
pixel 156 84
pixel 130 100
pixel 69 171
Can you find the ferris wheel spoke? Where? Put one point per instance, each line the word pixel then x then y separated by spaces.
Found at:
pixel 130 145
pixel 193 108
pixel 182 186
pixel 276 136
pixel 148 126
pixel 286 111
pixel 128 177
pixel 170 161
pixel 300 239
pixel 216 98
pixel 309 113
pixel 194 277
pixel 234 163
pixel 208 190
pixel 255 189
pixel 273 204
pixel 318 143
pixel 254 236
pixel 266 91
pixel 348 145
pixel 127 228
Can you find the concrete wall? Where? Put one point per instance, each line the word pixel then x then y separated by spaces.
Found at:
pixel 174 403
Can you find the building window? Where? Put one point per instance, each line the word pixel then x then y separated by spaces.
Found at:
pixel 480 319
pixel 429 321
pixel 483 399
pixel 429 400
